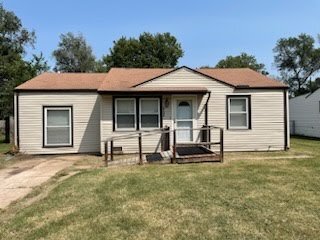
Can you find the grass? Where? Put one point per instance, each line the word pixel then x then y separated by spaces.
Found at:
pixel 245 199
pixel 4 148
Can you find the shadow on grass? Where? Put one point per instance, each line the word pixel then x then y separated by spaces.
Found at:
pixel 304 137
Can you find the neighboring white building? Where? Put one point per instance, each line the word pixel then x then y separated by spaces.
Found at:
pixel 77 112
pixel 305 115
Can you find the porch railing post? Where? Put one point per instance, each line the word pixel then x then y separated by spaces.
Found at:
pixel 208 140
pixel 174 149
pixel 221 145
pixel 165 139
pixel 111 150
pixel 140 149
pixel 106 152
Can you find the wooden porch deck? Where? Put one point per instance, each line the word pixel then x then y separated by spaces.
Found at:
pixel 186 154
pixel 177 153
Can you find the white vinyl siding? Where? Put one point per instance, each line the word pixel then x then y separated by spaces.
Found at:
pixel 86 121
pixel 57 126
pixel 305 115
pixel 267 107
pixel 267 119
pixel 149 143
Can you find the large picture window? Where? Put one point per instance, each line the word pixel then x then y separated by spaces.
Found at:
pixel 125 113
pixel 149 113
pixel 57 126
pixel 238 112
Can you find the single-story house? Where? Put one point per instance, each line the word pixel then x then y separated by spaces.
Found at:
pixel 305 114
pixel 76 112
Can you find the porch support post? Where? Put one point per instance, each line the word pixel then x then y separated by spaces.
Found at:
pixel 208 139
pixel 111 150
pixel 174 149
pixel 106 152
pixel 221 145
pixel 140 149
pixel 165 139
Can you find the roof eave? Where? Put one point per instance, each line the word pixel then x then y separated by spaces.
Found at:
pixel 261 87
pixel 124 91
pixel 56 90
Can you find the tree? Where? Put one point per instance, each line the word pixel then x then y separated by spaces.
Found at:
pixel 73 54
pixel 297 59
pixel 14 70
pixel 21 72
pixel 242 61
pixel 313 85
pixel 158 50
pixel 13 40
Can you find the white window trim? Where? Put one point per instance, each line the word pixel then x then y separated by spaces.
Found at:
pixel 46 144
pixel 246 112
pixel 134 114
pixel 141 113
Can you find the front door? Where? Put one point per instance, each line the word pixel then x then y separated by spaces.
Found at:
pixel 184 120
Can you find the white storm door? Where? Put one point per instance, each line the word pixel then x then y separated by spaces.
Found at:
pixel 184 120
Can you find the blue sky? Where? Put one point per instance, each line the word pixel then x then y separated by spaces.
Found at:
pixel 207 30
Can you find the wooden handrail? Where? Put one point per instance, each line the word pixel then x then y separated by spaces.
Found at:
pixel 151 132
pixel 161 131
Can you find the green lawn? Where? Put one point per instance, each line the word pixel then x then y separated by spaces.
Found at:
pixel 240 199
pixel 4 148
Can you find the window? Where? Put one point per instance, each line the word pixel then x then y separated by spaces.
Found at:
pixel 57 126
pixel 149 113
pixel 238 112
pixel 125 113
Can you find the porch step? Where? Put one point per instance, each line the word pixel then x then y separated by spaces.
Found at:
pixel 199 158
pixel 195 154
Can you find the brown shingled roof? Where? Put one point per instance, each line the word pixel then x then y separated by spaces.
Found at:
pixel 64 81
pixel 122 79
pixel 125 78
pixel 241 76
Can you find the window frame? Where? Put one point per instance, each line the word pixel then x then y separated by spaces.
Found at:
pixel 116 114
pixel 45 122
pixel 247 112
pixel 141 113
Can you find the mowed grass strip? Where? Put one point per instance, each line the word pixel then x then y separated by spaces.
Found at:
pixel 253 199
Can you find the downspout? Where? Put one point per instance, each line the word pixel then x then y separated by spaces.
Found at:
pixel 206 121
pixel 16 104
pixel 285 101
pixel 206 110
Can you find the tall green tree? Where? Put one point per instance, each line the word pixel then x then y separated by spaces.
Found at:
pixel 243 60
pixel 23 71
pixel 298 60
pixel 13 40
pixel 74 54
pixel 14 70
pixel 161 50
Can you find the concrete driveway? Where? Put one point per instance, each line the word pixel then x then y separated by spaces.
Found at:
pixel 20 178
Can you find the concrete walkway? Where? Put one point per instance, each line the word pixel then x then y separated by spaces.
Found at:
pixel 20 178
